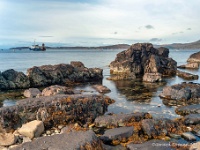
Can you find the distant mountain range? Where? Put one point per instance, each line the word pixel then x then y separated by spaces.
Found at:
pixel 192 45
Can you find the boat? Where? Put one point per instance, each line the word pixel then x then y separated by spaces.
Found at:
pixel 37 47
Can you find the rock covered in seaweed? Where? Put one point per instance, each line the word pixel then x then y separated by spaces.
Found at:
pixel 143 58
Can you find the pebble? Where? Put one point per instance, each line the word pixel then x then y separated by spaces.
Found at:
pixel 48 132
pixel 57 131
pixel 60 127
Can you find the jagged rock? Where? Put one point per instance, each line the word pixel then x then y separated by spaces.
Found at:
pixel 152 77
pixel 151 145
pixel 32 92
pixel 190 109
pixel 73 140
pixel 189 66
pixel 187 92
pixel 192 119
pixel 7 139
pixel 56 89
pixel 117 134
pixel 189 136
pixel 186 75
pixel 195 146
pixel 11 79
pixel 117 120
pixel 32 129
pixel 62 74
pixel 54 110
pixel 101 88
pixel 143 58
pixel 77 64
pixel 194 57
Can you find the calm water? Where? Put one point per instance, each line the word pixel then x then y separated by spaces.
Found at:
pixel 130 96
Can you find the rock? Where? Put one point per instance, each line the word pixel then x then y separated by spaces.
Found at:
pixel 190 109
pixel 151 145
pixel 73 140
pixel 195 146
pixel 32 129
pixel 187 92
pixel 152 77
pixel 117 120
pixel 189 66
pixel 189 136
pixel 77 64
pixel 196 132
pixel 186 76
pixel 175 136
pixel 7 139
pixel 118 147
pixel 54 110
pixel 3 148
pixel 11 79
pixel 192 119
pixel 194 58
pixel 101 88
pixel 56 89
pixel 142 58
pixel 32 92
pixel 117 134
pixel 63 74
pixel 26 139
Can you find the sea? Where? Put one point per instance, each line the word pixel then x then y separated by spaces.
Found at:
pixel 130 96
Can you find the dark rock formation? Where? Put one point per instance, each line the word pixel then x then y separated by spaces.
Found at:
pixel 186 75
pixel 54 110
pixel 192 119
pixel 63 74
pixel 189 66
pixel 11 79
pixel 194 57
pixel 143 58
pixel 190 109
pixel 117 120
pixel 73 140
pixel 188 92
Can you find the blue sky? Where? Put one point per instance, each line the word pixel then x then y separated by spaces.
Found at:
pixel 98 22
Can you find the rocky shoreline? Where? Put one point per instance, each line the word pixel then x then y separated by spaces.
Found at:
pixel 59 117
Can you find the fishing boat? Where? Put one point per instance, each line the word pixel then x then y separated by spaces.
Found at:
pixel 37 47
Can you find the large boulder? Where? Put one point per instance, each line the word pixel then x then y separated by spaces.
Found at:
pixel 143 58
pixel 11 79
pixel 63 74
pixel 194 57
pixel 54 110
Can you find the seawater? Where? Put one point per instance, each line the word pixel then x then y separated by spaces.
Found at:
pixel 125 93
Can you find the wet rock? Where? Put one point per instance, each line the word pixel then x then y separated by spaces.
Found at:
pixel 117 120
pixel 32 129
pixel 187 92
pixel 11 79
pixel 195 146
pixel 189 136
pixel 73 140
pixel 143 58
pixel 118 147
pixel 186 75
pixel 7 139
pixel 101 88
pixel 32 92
pixel 54 110
pixel 190 109
pixel 189 66
pixel 192 119
pixel 56 89
pixel 175 136
pixel 151 145
pixel 62 74
pixel 194 57
pixel 117 134
pixel 152 77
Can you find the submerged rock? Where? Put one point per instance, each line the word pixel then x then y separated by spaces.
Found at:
pixel 70 141
pixel 186 75
pixel 142 58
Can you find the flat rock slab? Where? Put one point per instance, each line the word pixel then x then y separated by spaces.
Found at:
pixel 151 145
pixel 192 119
pixel 117 134
pixel 186 75
pixel 189 136
pixel 117 120
pixel 101 88
pixel 70 141
pixel 190 109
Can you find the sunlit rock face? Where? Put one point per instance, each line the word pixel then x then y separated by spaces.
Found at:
pixel 143 58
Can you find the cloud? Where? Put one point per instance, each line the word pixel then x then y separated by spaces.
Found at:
pixel 149 27
pixel 155 40
pixel 189 29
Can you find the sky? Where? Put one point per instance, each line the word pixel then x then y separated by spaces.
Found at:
pixel 98 22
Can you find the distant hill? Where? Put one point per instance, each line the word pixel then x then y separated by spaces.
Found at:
pixel 192 45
